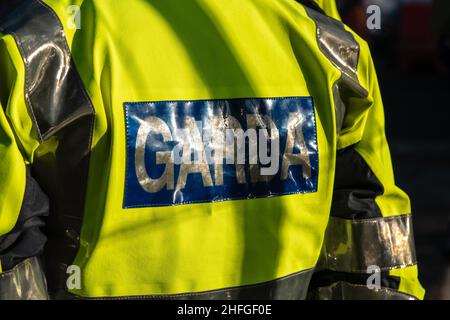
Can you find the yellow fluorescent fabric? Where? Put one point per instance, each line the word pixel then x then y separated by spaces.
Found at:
pixel 329 6
pixel 12 175
pixel 369 133
pixel 409 282
pixel 130 51
pixel 12 164
pixel 174 56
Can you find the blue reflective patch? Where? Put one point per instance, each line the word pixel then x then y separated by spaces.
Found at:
pixel 178 151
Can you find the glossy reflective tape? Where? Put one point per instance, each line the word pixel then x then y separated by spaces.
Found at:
pixel 26 281
pixel 181 152
pixel 342 49
pixel 354 245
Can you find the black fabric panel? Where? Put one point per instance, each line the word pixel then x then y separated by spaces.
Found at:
pixel 326 278
pixel 355 187
pixel 26 240
pixel 7 6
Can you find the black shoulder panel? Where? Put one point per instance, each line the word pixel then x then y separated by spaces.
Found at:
pixel 355 187
pixel 63 116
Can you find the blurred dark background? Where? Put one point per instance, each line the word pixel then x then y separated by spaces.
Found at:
pixel 412 55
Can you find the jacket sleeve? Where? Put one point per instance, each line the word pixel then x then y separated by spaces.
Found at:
pixel 23 205
pixel 330 8
pixel 368 251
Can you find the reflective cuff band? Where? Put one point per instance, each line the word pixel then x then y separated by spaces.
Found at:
pixel 354 245
pixel 347 291
pixel 26 281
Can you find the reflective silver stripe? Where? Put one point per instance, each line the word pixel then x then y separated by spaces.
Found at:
pixel 339 46
pixel 347 291
pixel 342 49
pixel 291 287
pixel 26 281
pixel 354 245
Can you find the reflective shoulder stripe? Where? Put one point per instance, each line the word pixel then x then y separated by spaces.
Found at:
pixel 342 49
pixel 347 291
pixel 54 92
pixel 64 118
pixel 339 46
pixel 355 245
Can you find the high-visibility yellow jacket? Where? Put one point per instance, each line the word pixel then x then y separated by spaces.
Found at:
pixel 330 8
pixel 109 110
